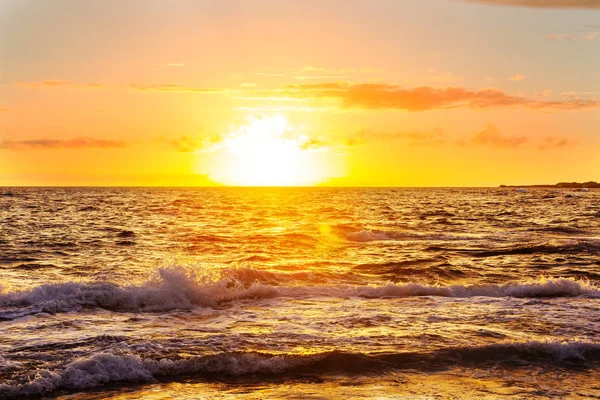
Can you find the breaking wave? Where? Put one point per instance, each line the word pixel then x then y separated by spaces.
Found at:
pixel 186 288
pixel 105 368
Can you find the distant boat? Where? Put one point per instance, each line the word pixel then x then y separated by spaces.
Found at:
pixel 582 190
pixel 521 190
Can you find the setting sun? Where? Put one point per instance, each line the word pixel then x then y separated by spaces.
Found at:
pixel 266 151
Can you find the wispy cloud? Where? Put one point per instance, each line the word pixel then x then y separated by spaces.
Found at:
pixel 490 136
pixel 385 96
pixel 591 4
pixel 175 88
pixel 517 77
pixel 590 35
pixel 354 95
pixel 190 144
pixel 50 144
pixel 571 37
pixel 59 83
pixel 268 74
pixel 574 94
pixel 186 144
pixel 433 138
pixel 304 77
pixel 557 142
pixel 65 84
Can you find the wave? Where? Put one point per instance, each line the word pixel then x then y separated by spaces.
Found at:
pixel 425 269
pixel 186 288
pixel 578 247
pixel 106 368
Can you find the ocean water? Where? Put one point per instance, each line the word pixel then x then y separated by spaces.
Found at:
pixel 311 293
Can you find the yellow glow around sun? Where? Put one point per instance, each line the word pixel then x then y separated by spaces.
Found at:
pixel 266 152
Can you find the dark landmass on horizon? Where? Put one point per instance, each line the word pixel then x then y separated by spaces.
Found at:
pixel 560 185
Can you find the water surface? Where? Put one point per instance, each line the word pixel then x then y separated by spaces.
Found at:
pixel 316 293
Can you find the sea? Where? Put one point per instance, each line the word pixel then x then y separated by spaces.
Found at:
pixel 300 293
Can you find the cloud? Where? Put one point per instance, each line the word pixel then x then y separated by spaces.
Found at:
pixel 186 144
pixel 304 77
pixel 574 94
pixel 386 96
pixel 311 143
pixel 190 144
pixel 517 77
pixel 557 142
pixel 357 95
pixel 570 37
pixel 65 84
pixel 50 144
pixel 59 83
pixel 490 136
pixel 434 138
pixel 268 74
pixel 175 88
pixel 591 4
pixel 553 37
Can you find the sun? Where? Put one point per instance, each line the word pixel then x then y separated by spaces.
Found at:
pixel 267 152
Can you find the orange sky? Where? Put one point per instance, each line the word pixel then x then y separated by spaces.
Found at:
pixel 355 92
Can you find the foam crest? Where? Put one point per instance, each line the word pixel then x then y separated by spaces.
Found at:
pixel 181 288
pixel 101 369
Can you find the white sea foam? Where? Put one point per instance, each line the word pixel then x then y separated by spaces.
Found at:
pixel 104 368
pixel 180 288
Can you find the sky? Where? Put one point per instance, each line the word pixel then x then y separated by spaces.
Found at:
pixel 270 92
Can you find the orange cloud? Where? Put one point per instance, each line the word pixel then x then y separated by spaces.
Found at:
pixel 593 4
pixel 190 144
pixel 557 142
pixel 490 136
pixel 385 96
pixel 359 95
pixel 50 144
pixel 434 138
pixel 59 83
pixel 175 88
pixel 304 77
pixel 517 77
pixel 574 94
pixel 65 84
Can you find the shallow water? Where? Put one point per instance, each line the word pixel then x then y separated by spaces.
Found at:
pixel 313 293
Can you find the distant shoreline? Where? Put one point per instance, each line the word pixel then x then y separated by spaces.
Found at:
pixel 560 185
